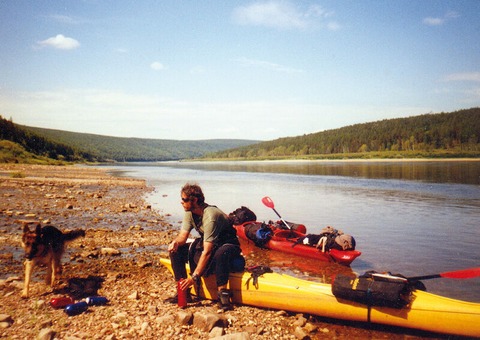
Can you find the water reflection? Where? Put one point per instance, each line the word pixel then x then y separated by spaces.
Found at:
pixel 448 171
pixel 305 268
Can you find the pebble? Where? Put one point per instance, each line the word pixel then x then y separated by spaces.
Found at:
pixel 110 251
pixel 5 320
pixel 133 296
pixel 144 327
pixel 46 334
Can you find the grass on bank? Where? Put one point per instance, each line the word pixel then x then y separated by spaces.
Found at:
pixel 11 152
pixel 436 154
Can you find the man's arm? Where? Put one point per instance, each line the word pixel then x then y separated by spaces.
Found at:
pixel 180 240
pixel 201 266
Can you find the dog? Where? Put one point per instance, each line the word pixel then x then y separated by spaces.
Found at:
pixel 45 246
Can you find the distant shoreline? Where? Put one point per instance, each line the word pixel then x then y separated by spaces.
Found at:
pixel 401 160
pixel 347 160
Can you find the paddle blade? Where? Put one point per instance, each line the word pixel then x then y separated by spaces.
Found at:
pixel 268 202
pixel 462 274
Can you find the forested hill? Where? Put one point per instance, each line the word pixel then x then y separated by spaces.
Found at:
pixel 140 149
pixel 72 146
pixel 455 134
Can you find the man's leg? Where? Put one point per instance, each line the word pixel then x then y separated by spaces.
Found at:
pixel 179 260
pixel 223 259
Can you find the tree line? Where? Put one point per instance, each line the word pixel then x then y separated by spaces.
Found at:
pixel 81 147
pixel 457 131
pixel 41 146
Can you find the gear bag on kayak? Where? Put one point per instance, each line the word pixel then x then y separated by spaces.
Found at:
pixel 259 233
pixel 242 215
pixel 375 289
pixel 329 238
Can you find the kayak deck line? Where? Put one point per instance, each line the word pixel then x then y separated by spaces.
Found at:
pixel 426 311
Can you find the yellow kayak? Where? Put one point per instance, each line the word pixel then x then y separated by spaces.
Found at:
pixel 426 311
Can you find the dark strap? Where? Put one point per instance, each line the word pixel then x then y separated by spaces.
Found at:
pixel 198 287
pixel 257 271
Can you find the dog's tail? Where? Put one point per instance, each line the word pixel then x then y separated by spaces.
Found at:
pixel 73 234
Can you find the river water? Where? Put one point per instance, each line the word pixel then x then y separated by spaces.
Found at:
pixel 408 217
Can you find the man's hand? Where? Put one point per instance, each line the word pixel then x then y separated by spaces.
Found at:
pixel 181 239
pixel 186 283
pixel 172 247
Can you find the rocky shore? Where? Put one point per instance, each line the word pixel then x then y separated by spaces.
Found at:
pixel 119 259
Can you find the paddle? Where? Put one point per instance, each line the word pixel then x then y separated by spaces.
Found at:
pixel 457 274
pixel 269 203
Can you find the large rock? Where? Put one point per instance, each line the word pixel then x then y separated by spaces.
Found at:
pixel 206 321
pixel 46 334
pixel 184 317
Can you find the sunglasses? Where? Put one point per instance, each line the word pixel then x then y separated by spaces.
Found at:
pixel 185 199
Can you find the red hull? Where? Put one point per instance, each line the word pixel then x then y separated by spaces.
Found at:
pixel 283 240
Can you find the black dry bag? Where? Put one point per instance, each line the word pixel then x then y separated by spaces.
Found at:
pixel 392 292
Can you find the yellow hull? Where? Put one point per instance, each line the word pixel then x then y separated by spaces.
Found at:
pixel 427 311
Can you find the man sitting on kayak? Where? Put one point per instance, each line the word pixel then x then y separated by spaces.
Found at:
pixel 219 240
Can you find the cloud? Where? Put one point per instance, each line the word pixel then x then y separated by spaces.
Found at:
pixel 279 15
pixel 452 15
pixel 198 70
pixel 64 19
pixel 333 26
pixel 467 95
pixel 59 42
pixel 267 65
pixel 473 94
pixel 157 66
pixel 467 76
pixel 120 113
pixel 432 21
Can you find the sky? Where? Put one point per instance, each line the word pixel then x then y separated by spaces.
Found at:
pixel 190 70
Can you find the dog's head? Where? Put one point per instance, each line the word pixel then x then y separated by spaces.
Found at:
pixel 31 241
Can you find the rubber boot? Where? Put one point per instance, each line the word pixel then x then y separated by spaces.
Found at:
pixel 224 299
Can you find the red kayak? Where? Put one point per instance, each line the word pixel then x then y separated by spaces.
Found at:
pixel 287 241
